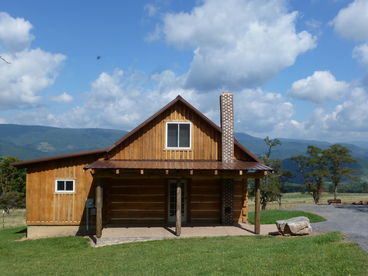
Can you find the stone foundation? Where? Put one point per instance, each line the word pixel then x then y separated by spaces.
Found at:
pixel 46 231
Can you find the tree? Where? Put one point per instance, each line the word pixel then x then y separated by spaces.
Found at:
pixel 271 184
pixel 337 157
pixel 313 169
pixel 11 178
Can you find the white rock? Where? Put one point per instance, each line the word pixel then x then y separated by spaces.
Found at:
pixel 294 226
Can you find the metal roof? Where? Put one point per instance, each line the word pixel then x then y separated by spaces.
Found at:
pixel 178 165
pixel 58 157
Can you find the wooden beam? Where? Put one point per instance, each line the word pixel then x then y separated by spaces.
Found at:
pixel 166 172
pixel 117 171
pixel 216 172
pixel 178 209
pixel 240 172
pixel 142 171
pixel 99 203
pixel 257 223
pixel 191 172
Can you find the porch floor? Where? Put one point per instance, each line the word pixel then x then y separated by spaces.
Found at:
pixel 116 235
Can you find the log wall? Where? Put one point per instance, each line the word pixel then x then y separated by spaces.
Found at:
pixel 205 201
pixel 133 201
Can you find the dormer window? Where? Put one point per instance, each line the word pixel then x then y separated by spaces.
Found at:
pixel 178 135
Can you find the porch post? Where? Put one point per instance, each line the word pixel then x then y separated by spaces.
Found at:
pixel 98 208
pixel 257 223
pixel 178 209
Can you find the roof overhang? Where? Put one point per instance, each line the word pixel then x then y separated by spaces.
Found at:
pixel 179 165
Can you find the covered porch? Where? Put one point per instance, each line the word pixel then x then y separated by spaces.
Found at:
pixel 116 235
pixel 192 198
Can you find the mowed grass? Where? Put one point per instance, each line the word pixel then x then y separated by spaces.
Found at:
pixel 271 216
pixel 290 200
pixel 315 255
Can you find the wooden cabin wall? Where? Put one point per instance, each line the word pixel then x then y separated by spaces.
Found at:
pixel 240 201
pixel 135 201
pixel 205 201
pixel 44 205
pixel 149 142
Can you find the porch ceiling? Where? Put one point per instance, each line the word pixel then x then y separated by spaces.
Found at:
pixel 178 165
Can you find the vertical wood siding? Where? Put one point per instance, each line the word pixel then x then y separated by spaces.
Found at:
pixel 149 142
pixel 44 205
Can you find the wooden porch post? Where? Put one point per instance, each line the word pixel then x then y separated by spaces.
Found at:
pixel 257 223
pixel 178 209
pixel 98 208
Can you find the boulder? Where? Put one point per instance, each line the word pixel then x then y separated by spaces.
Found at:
pixel 295 226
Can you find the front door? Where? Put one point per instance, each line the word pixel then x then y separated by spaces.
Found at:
pixel 172 200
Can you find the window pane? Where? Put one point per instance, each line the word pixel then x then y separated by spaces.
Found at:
pixel 172 135
pixel 184 135
pixel 69 186
pixel 60 185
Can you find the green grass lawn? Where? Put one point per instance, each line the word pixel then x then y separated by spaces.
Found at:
pixel 315 255
pixel 270 216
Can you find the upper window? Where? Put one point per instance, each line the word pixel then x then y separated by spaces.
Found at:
pixel 178 135
pixel 64 186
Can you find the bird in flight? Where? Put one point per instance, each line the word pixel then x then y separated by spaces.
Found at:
pixel 4 60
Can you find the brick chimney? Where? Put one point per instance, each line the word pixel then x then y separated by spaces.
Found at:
pixel 227 126
pixel 227 145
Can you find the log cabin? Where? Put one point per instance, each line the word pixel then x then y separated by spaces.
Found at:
pixel 176 168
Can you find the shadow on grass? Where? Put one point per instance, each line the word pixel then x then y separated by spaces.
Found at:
pixel 22 231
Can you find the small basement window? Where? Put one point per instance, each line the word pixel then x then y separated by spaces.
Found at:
pixel 178 135
pixel 64 186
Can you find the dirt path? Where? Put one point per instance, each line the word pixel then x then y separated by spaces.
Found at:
pixel 350 219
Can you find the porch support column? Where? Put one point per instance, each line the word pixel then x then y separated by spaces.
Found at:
pixel 98 208
pixel 257 211
pixel 178 209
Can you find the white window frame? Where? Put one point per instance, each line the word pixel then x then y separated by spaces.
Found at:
pixel 64 192
pixel 190 136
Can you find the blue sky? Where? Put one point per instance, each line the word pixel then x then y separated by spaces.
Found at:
pixel 298 69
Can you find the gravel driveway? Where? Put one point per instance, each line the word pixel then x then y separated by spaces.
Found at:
pixel 350 219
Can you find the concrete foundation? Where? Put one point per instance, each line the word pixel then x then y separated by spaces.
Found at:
pixel 35 232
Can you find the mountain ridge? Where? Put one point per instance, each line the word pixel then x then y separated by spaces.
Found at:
pixel 29 142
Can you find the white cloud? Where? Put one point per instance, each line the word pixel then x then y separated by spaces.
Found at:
pixel 62 98
pixel 28 74
pixel 14 33
pixel 122 100
pixel 361 53
pixel 260 112
pixel 318 88
pixel 2 121
pixel 30 70
pixel 351 22
pixel 236 43
pixel 344 123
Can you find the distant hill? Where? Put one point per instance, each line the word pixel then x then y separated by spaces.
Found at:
pixel 28 142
